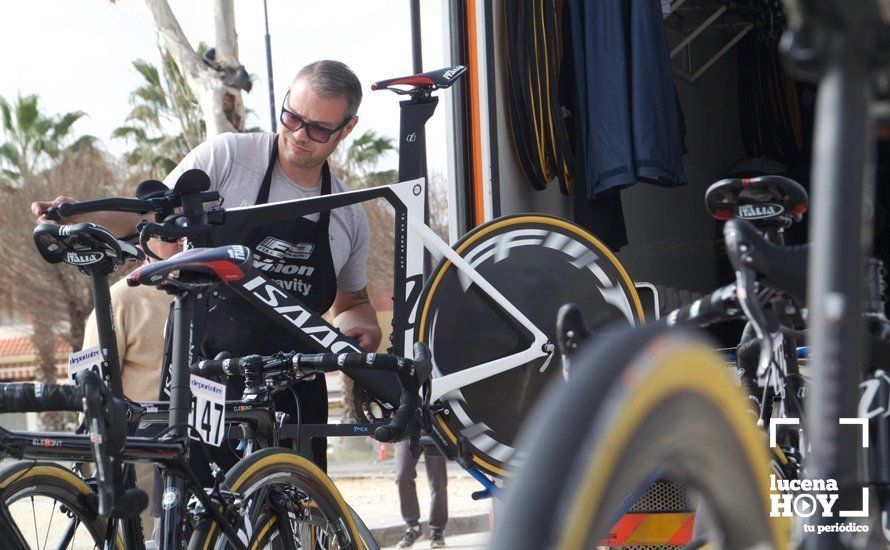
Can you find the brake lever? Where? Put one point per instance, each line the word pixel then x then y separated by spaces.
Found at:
pixel 426 414
pixel 747 295
pixel 52 213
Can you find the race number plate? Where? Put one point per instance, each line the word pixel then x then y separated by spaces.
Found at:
pixel 90 358
pixel 208 416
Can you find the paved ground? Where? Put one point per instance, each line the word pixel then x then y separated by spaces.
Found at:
pixel 370 489
pixel 473 541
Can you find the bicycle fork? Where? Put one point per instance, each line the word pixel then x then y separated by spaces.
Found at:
pixel 874 404
pixel 8 532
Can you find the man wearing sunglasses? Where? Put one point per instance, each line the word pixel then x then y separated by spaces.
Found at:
pixel 320 258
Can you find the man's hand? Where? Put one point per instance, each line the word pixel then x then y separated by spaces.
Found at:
pixel 39 209
pixel 121 224
pixel 368 338
pixel 355 317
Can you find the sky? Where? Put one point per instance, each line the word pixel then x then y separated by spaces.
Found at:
pixel 77 55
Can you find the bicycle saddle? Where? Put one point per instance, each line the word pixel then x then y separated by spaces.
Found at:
pixel 429 81
pixel 82 244
pixel 773 200
pixel 780 267
pixel 205 266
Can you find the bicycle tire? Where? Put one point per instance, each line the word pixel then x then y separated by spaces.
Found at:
pixel 258 529
pixel 538 263
pixel 27 480
pixel 648 404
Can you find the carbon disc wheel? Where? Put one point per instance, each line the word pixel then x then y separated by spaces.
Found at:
pixel 538 263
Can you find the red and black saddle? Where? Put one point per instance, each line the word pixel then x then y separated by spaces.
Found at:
pixel 429 81
pixel 205 266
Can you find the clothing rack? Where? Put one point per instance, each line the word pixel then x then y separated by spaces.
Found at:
pixel 691 19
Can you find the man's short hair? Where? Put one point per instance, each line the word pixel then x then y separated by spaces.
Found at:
pixel 333 79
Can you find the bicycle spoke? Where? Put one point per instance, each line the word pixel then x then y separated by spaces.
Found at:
pixel 49 526
pixel 34 516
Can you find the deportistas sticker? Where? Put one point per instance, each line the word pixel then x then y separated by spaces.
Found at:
pixel 208 416
pixel 90 358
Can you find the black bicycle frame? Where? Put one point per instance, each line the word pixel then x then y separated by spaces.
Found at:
pixel 842 175
pixel 841 146
pixel 105 328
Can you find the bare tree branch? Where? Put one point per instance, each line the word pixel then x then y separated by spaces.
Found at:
pixel 226 37
pixel 222 105
pixel 175 40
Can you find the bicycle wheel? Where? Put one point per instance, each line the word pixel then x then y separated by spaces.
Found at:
pixel 51 507
pixel 649 404
pixel 538 263
pixel 318 517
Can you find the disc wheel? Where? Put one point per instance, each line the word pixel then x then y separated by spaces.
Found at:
pixel 538 263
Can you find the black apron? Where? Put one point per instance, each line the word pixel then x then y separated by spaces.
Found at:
pixel 296 254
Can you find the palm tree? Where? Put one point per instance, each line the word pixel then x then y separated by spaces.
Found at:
pixel 31 138
pixel 165 122
pixel 358 161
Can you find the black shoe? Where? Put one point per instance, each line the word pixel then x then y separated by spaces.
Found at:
pixel 437 539
pixel 412 533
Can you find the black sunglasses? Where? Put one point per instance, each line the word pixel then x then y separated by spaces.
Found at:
pixel 316 132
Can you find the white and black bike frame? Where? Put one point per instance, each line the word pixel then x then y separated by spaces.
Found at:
pixel 412 236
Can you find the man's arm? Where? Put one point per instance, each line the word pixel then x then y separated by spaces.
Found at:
pixel 354 315
pixel 214 156
pixel 121 224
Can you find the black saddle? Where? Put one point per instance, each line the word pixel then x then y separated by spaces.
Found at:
pixel 429 81
pixel 204 266
pixel 82 245
pixel 764 200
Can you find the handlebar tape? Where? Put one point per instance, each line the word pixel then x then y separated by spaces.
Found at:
pixel 704 311
pixel 224 367
pixel 35 397
pixel 395 429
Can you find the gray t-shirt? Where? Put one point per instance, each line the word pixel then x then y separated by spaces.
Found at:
pixel 236 164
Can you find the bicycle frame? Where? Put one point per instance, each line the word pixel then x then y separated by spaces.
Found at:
pixel 411 237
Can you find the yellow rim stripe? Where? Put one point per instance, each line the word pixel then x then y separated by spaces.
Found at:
pixel 47 471
pixel 272 521
pixel 678 368
pixel 631 290
pixel 313 471
pixel 25 471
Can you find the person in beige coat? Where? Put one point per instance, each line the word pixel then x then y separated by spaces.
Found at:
pixel 140 316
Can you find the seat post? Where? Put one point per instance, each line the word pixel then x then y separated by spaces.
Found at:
pixel 105 327
pixel 413 114
pixel 180 392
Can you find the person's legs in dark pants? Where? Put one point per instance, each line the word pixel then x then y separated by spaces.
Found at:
pixel 437 475
pixel 406 473
pixel 312 409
